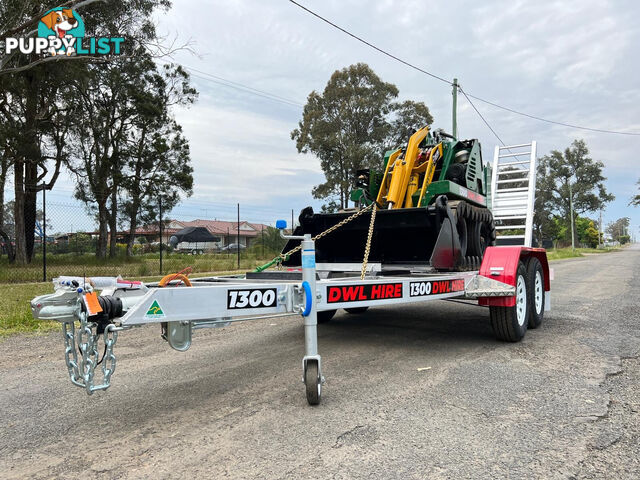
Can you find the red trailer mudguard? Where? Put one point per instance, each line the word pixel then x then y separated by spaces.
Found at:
pixel 501 263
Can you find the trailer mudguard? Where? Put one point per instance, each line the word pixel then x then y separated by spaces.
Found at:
pixel 501 263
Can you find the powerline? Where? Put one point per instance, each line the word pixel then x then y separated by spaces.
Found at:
pixel 599 130
pixel 236 85
pixel 480 115
pixel 384 52
pixel 437 77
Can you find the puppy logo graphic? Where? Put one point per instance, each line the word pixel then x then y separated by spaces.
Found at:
pixel 65 26
pixel 61 32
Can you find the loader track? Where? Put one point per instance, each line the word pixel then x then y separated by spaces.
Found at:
pixel 477 231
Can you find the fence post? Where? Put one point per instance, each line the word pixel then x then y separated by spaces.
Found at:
pixel 160 229
pixel 44 232
pixel 238 237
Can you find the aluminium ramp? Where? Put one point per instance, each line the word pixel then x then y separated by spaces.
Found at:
pixel 513 185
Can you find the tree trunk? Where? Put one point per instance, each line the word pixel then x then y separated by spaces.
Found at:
pixel 133 224
pixel 27 171
pixel 30 197
pixel 113 225
pixel 103 222
pixel 3 235
pixel 18 213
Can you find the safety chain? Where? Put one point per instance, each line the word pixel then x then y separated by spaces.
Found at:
pixel 82 366
pixel 367 248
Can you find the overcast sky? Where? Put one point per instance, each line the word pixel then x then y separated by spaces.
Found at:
pixel 571 61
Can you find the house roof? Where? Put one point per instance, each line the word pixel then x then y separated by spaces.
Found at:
pixel 221 227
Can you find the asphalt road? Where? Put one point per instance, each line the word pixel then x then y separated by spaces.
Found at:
pixel 415 392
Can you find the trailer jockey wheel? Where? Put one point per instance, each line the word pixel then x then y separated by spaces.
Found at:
pixel 510 323
pixel 313 383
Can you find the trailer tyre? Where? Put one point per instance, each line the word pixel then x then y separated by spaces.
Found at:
pixel 510 323
pixel 326 316
pixel 356 310
pixel 312 383
pixel 536 293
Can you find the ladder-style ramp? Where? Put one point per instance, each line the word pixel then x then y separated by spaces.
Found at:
pixel 513 186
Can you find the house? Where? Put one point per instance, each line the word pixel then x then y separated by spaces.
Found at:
pixel 227 231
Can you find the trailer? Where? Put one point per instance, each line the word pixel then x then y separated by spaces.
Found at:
pixel 513 281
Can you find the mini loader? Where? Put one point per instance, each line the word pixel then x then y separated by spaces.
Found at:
pixel 432 200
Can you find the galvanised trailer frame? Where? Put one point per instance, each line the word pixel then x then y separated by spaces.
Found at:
pixel 219 301
pixel 513 281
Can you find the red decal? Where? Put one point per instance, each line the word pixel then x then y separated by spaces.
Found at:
pixel 350 293
pixel 334 294
pixel 361 293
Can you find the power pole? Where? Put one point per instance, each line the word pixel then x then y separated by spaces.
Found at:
pixel 292 225
pixel 573 240
pixel 600 242
pixel 238 237
pixel 454 113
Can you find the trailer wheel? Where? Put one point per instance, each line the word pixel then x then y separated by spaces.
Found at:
pixel 313 383
pixel 510 323
pixel 536 294
pixel 356 310
pixel 326 316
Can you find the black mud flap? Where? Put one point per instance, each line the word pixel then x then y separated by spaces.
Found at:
pixel 446 253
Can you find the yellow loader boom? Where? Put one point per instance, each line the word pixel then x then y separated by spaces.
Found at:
pixel 402 173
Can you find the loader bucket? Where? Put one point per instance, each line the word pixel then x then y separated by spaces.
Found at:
pixel 401 237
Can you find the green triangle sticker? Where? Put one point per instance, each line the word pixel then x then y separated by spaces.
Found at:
pixel 155 309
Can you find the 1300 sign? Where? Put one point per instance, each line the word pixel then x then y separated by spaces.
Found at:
pixel 254 298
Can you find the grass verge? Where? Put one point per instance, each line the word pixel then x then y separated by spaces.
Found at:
pixel 562 253
pixel 15 310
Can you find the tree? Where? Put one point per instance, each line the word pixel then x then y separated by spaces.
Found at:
pixel 130 151
pixel 407 118
pixel 555 172
pixel 635 201
pixel 348 125
pixel 159 171
pixel 36 97
pixel 587 232
pixel 619 230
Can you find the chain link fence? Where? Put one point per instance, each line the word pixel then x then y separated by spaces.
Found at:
pixel 66 238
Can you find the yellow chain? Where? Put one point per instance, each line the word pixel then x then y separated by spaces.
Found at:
pixel 367 248
pixel 284 256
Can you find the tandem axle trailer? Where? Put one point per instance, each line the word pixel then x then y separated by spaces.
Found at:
pixel 513 281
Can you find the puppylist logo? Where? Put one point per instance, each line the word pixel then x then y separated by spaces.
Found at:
pixel 61 32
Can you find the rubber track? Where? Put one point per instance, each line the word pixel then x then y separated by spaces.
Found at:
pixel 472 262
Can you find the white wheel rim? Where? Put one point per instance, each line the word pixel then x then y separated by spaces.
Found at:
pixel 538 293
pixel 521 300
